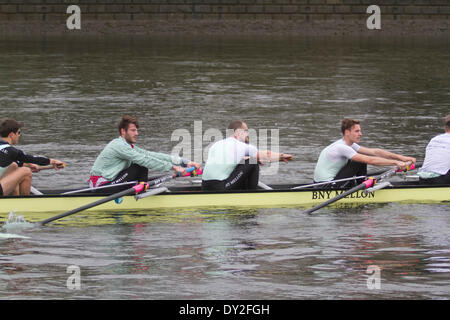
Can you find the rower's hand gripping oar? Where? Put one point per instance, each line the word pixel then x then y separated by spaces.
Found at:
pixel 191 171
pixel 133 190
pixel 366 184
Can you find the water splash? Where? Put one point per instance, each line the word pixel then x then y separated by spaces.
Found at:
pixel 13 218
pixel 16 222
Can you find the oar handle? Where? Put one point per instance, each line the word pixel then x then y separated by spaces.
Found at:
pixel 188 172
pixel 140 187
pixel 409 167
pixel 194 172
pixel 368 183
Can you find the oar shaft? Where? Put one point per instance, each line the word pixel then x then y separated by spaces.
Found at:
pixel 50 166
pixel 135 189
pixel 366 184
pixel 327 182
pixel 342 195
pixel 160 180
pixel 46 167
pixel 88 206
pixel 109 186
pixel 150 182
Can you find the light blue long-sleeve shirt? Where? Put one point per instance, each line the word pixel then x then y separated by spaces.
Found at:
pixel 118 155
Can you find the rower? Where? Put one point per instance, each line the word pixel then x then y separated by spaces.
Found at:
pixel 16 167
pixel 233 163
pixel 436 166
pixel 345 158
pixel 122 161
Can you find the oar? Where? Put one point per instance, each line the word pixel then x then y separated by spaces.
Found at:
pixel 189 172
pixel 35 191
pixel 50 166
pixel 109 186
pixel 327 182
pixel 262 185
pixel 316 184
pixel 366 184
pixel 133 190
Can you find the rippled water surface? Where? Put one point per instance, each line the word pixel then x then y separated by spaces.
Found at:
pixel 71 94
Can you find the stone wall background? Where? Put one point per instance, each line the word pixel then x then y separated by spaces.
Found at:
pixel 302 17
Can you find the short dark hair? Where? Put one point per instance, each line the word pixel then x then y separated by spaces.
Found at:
pixel 9 125
pixel 236 124
pixel 125 122
pixel 347 124
pixel 447 123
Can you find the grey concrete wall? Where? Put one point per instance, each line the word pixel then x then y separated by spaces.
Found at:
pixel 302 17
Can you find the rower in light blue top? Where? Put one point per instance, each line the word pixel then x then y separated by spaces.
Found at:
pixel 122 161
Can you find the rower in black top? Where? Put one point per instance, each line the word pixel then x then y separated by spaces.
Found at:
pixel 16 166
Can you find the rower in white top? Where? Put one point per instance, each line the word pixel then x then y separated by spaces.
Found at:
pixel 436 166
pixel 233 163
pixel 345 158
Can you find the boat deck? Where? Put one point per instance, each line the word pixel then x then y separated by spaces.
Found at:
pixel 192 189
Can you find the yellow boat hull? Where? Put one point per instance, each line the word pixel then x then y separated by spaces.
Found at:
pixel 35 208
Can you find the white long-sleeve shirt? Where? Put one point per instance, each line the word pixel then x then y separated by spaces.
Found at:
pixel 224 156
pixel 437 157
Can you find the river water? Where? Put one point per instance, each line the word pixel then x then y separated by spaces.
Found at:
pixel 71 93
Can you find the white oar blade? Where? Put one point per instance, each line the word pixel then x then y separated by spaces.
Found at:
pixel 12 236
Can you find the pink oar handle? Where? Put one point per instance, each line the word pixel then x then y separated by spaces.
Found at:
pixel 139 187
pixel 189 171
pixel 408 168
pixel 368 183
pixel 195 172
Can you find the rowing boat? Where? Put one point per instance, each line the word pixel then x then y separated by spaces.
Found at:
pixel 36 207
